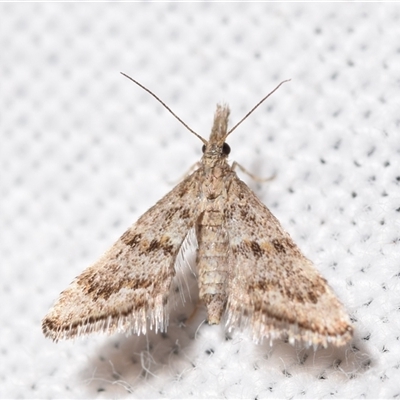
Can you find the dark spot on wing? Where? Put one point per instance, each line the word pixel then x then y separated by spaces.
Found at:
pixel 95 286
pixel 256 249
pixel 130 240
pixel 185 213
pixel 177 212
pixel 164 244
pixel 283 245
pixel 278 245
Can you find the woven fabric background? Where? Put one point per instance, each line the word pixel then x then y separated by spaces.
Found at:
pixel 84 152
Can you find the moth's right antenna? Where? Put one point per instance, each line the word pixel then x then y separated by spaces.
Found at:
pixel 265 98
pixel 157 98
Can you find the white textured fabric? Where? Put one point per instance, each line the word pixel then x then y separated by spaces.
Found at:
pixel 84 152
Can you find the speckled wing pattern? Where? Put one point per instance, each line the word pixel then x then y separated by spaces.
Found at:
pixel 129 286
pixel 249 269
pixel 274 290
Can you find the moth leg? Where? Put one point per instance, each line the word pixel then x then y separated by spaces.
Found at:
pixel 188 172
pixel 254 177
pixel 198 308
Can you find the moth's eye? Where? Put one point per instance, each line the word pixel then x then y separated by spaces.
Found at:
pixel 203 149
pixel 226 149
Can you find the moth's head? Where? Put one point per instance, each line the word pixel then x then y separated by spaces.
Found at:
pixel 216 145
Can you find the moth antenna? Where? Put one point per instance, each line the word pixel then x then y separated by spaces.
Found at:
pixel 165 106
pixel 259 103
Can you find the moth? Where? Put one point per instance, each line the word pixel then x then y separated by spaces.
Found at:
pixel 250 272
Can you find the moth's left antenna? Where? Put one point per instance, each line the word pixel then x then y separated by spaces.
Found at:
pixel 157 98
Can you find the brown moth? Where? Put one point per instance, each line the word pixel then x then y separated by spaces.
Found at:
pixel 249 269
